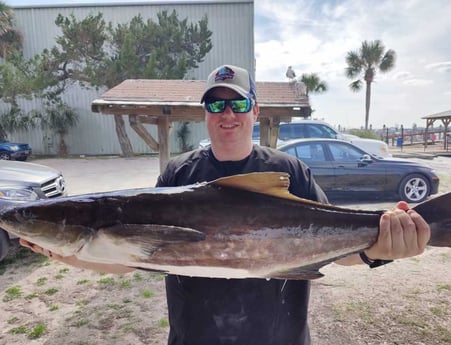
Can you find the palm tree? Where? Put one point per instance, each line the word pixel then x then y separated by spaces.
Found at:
pixel 313 83
pixel 10 39
pixel 364 63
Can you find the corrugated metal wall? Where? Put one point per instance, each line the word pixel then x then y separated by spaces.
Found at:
pixel 233 42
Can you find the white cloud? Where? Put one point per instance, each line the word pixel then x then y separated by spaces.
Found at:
pixel 315 36
pixel 440 66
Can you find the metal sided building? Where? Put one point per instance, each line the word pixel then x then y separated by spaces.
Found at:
pixel 232 25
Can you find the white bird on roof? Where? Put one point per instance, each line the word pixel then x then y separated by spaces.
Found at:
pixel 290 74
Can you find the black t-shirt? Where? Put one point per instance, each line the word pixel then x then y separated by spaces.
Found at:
pixel 206 311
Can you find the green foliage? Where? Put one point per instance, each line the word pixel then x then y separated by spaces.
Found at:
pixel 363 65
pixel 364 133
pixel 94 53
pixel 12 293
pixel 10 39
pixel 37 331
pixel 313 83
pixel 183 135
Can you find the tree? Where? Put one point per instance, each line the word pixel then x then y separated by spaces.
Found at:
pixel 364 64
pixel 313 83
pixel 10 39
pixel 96 54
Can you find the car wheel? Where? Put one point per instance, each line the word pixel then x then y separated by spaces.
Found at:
pixel 4 244
pixel 5 155
pixel 414 188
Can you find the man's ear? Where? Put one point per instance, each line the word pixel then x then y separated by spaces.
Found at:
pixel 256 111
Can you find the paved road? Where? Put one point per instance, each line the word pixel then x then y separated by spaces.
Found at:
pixel 88 175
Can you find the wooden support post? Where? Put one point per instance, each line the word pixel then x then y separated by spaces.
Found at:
pixel 274 132
pixel 163 139
pixel 264 131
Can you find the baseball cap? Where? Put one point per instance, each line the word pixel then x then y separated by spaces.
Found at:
pixel 236 78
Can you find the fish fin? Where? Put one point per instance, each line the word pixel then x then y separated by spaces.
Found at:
pixel 437 213
pixel 149 237
pixel 269 183
pixel 299 273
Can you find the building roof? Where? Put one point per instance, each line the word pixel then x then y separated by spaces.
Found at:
pixel 180 99
pixel 438 116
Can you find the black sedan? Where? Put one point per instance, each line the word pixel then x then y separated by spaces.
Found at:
pixel 344 170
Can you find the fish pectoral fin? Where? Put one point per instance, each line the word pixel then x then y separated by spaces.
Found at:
pixel 298 273
pixel 150 236
pixel 154 232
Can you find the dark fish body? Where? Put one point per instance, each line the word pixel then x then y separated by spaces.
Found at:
pixel 241 226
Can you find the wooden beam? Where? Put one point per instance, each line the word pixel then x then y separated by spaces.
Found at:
pixel 135 123
pixel 163 139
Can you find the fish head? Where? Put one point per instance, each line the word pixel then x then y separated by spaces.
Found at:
pixel 44 227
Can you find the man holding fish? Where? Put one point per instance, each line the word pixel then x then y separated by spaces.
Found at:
pixel 252 311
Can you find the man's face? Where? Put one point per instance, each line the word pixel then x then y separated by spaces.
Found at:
pixel 229 129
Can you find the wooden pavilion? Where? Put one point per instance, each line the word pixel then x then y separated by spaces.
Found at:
pixel 161 102
pixel 445 117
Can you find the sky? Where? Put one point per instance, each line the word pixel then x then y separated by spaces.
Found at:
pixel 314 36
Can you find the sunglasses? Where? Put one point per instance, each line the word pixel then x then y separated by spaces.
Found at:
pixel 243 105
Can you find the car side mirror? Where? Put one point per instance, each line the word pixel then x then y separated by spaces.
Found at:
pixel 366 159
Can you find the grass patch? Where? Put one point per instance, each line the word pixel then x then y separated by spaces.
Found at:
pixel 354 310
pixel 31 296
pixel 444 334
pixel 51 291
pixel 443 287
pixel 12 293
pixel 18 330
pixel 163 323
pixel 106 281
pixel 41 281
pixel 13 320
pixel 37 331
pixel 54 307
pixel 83 281
pixel 439 312
pixel 125 284
pixel 147 294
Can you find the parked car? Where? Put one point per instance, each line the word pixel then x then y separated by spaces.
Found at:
pixel 317 129
pixel 343 170
pixel 17 151
pixel 20 181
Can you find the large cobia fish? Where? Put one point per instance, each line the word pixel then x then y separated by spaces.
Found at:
pixel 240 226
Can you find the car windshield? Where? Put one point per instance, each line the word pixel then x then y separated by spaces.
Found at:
pixel 289 131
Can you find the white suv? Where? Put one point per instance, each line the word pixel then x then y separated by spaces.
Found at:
pixel 318 129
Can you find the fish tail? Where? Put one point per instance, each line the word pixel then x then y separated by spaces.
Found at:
pixel 437 213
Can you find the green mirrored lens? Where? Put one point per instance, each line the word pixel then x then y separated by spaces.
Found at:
pixel 237 105
pixel 216 106
pixel 241 105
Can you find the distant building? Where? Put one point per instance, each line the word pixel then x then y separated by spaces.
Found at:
pixel 232 24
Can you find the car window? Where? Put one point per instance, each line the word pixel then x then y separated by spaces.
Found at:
pixel 308 152
pixel 320 131
pixel 343 152
pixel 256 132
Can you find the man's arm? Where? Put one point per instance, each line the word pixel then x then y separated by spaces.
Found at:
pixel 402 233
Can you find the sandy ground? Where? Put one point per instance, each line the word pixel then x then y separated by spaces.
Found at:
pixel 45 302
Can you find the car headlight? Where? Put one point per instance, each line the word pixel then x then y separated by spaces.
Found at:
pixel 14 147
pixel 18 194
